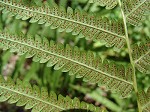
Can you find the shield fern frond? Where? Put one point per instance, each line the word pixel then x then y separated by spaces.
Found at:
pixel 79 23
pixel 136 10
pixel 39 100
pixel 72 60
pixel 141 56
pixel 110 4
pixel 144 99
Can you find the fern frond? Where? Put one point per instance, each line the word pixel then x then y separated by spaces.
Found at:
pixel 136 10
pixel 89 26
pixel 74 61
pixel 141 56
pixel 39 100
pixel 144 99
pixel 110 4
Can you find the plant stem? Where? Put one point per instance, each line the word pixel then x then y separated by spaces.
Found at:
pixel 130 55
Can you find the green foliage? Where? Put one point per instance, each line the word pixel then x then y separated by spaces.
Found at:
pixel 141 55
pixel 70 60
pixel 90 26
pixel 110 4
pixel 34 26
pixel 38 99
pixel 97 95
pixel 145 99
pixel 136 10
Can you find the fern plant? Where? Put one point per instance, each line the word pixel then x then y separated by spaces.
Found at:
pixel 87 65
pixel 39 100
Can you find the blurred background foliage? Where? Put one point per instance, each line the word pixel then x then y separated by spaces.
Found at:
pixel 36 73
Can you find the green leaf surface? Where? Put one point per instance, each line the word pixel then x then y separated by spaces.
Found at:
pixel 110 4
pixel 90 26
pixel 80 63
pixel 23 94
pixel 144 99
pixel 136 10
pixel 141 56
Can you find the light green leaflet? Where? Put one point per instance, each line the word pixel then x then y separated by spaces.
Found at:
pixel 144 99
pixel 136 10
pixel 39 100
pixel 72 60
pixel 77 22
pixel 141 56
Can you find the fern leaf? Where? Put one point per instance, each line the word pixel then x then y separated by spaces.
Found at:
pixel 79 63
pixel 136 10
pixel 144 99
pixel 110 4
pixel 89 26
pixel 141 56
pixel 39 100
